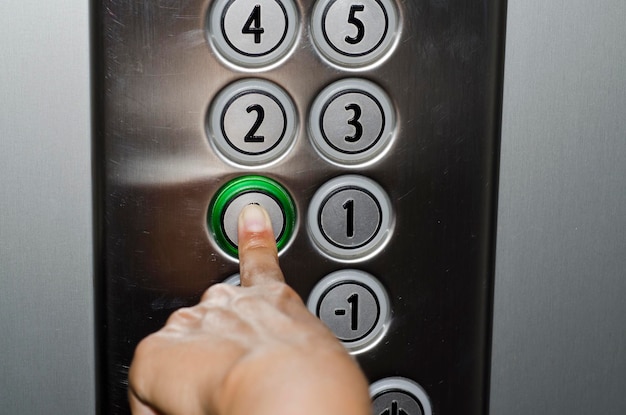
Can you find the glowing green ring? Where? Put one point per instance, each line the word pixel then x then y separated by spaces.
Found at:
pixel 245 184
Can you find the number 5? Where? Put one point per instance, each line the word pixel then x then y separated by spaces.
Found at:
pixel 352 19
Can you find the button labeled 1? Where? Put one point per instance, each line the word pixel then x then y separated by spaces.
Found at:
pixel 354 32
pixel 354 306
pixel 352 121
pixel 252 33
pixel 252 123
pixel 231 198
pixel 350 218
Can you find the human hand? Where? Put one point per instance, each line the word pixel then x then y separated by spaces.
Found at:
pixel 249 350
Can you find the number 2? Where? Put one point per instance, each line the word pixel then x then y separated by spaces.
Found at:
pixel 254 19
pixel 260 116
pixel 360 27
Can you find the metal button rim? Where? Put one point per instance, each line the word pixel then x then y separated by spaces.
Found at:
pixel 376 150
pixel 230 55
pixel 365 279
pixel 224 147
pixel 352 254
pixel 360 61
pixel 404 385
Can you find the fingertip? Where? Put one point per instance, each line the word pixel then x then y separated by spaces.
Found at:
pixel 258 255
pixel 254 219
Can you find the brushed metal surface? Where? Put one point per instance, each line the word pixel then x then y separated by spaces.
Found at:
pixel 46 270
pixel 157 78
pixel 559 336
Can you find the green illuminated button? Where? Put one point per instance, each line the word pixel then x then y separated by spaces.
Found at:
pixel 231 198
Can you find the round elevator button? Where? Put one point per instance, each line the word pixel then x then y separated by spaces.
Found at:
pixel 234 280
pixel 350 218
pixel 252 33
pixel 399 396
pixel 351 122
pixel 355 307
pixel 354 33
pixel 231 198
pixel 252 122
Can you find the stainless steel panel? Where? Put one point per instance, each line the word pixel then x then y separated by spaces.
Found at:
pixel 559 337
pixel 157 78
pixel 46 292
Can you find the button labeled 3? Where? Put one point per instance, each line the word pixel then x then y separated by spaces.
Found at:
pixel 354 305
pixel 252 33
pixel 252 123
pixel 231 198
pixel 354 32
pixel 351 122
pixel 350 218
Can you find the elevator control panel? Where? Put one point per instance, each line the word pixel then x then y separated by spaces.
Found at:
pixel 369 131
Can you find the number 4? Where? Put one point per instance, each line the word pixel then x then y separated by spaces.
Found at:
pixel 254 19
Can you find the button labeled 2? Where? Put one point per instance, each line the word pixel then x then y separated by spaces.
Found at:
pixel 252 33
pixel 252 122
pixel 354 33
pixel 350 218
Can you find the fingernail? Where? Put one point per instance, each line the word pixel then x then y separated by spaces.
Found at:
pixel 254 218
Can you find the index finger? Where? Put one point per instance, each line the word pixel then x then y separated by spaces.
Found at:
pixel 258 256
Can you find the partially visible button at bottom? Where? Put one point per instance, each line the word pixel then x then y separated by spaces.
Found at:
pixel 399 396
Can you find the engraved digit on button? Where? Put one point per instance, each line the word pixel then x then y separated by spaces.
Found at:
pixel 353 300
pixel 254 19
pixel 354 121
pixel 349 207
pixel 352 19
pixel 260 116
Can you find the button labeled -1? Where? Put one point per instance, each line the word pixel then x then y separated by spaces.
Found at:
pixel 350 218
pixel 355 307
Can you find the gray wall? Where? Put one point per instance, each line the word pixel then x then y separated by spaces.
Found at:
pixel 560 295
pixel 559 331
pixel 46 311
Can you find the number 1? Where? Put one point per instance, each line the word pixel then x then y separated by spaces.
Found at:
pixel 349 207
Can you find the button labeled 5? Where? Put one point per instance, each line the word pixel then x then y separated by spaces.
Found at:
pixel 354 33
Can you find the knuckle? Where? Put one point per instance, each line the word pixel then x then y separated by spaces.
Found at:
pixel 218 291
pixel 282 293
pixel 182 315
